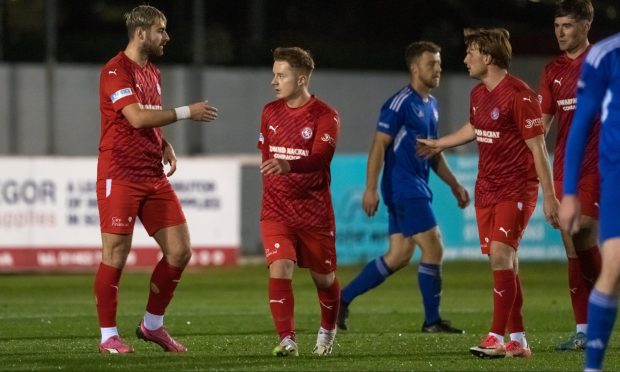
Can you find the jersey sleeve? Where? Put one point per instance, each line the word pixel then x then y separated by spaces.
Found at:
pixel 262 144
pixel 389 122
pixel 117 85
pixel 323 146
pixel 547 104
pixel 528 115
pixel 591 90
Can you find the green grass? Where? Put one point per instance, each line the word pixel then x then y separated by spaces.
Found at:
pixel 48 322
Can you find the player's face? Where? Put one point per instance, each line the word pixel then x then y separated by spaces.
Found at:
pixel 155 39
pixel 475 62
pixel 428 69
pixel 570 33
pixel 286 82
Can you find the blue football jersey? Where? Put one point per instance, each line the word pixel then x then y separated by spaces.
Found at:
pixel 406 116
pixel 598 92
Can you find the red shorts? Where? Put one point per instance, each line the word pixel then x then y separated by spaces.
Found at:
pixel 588 192
pixel 315 250
pixel 156 204
pixel 504 222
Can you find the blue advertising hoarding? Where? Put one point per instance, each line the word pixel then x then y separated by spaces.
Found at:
pixel 360 238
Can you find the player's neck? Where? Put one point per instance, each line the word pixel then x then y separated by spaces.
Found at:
pixel 299 100
pixel 575 53
pixel 135 55
pixel 493 77
pixel 422 89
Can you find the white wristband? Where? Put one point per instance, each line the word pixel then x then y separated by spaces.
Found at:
pixel 182 112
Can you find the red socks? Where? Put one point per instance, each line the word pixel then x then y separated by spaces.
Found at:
pixel 164 281
pixel 515 320
pixel 282 305
pixel 329 300
pixel 504 293
pixel 590 264
pixel 106 294
pixel 579 290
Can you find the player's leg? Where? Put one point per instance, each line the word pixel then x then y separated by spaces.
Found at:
pixel 603 304
pixel 280 252
pixel 163 219
pixel 518 345
pixel 429 281
pixel 375 272
pixel 584 260
pixel 118 205
pixel 328 291
pixel 114 255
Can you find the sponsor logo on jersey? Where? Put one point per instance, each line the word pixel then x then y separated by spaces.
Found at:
pixel 329 139
pixel 529 123
pixel 273 129
pixel 286 153
pixel 383 125
pixel 120 94
pixel 306 133
pixel 486 136
pixel 558 81
pixel 112 72
pixel 568 104
pixel 495 113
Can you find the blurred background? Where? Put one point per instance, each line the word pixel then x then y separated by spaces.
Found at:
pixel 51 53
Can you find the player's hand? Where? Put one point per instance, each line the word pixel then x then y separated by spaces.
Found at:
pixel 275 167
pixel 462 196
pixel 551 208
pixel 427 148
pixel 570 214
pixel 202 111
pixel 370 202
pixel 170 158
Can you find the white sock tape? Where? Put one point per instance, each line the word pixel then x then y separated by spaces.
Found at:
pixel 182 112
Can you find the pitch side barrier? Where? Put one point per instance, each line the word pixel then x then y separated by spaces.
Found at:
pixel 49 219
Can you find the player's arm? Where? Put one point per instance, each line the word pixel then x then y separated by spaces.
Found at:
pixel 543 170
pixel 442 169
pixel 169 157
pixel 376 155
pixel 321 154
pixel 428 148
pixel 547 103
pixel 140 117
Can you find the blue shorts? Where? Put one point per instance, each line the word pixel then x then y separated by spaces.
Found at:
pixel 609 206
pixel 410 217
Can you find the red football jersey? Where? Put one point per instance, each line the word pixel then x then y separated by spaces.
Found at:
pixel 558 94
pixel 305 136
pixel 127 153
pixel 503 119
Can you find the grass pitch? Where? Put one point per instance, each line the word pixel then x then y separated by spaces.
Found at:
pixel 48 322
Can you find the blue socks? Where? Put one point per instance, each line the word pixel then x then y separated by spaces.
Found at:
pixel 602 310
pixel 429 281
pixel 374 273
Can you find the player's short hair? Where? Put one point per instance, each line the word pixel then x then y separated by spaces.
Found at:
pixel 491 41
pixel 143 16
pixel 580 10
pixel 297 57
pixel 414 50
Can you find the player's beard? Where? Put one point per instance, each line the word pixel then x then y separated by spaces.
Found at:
pixel 152 49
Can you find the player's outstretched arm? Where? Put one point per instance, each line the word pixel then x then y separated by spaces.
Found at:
pixel 140 117
pixel 427 148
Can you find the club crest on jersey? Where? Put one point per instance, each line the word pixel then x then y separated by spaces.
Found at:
pixel 495 113
pixel 306 133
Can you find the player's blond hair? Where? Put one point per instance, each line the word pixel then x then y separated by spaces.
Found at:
pixel 297 57
pixel 142 16
pixel 492 42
